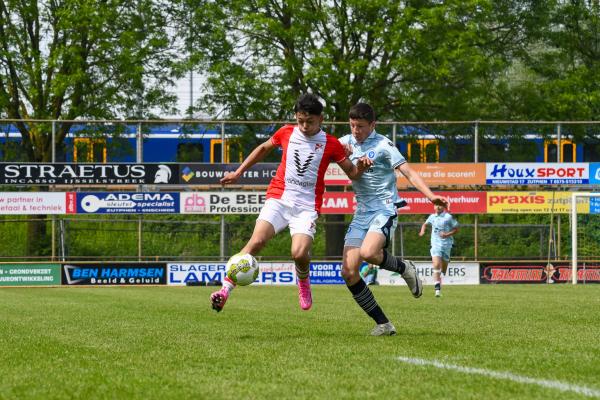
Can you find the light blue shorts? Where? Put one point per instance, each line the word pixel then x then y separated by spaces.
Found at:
pixel 443 252
pixel 381 221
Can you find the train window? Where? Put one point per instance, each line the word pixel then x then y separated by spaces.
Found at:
pixel 591 152
pixel 187 152
pixel 432 152
pixel 424 150
pixel 568 153
pixel 414 152
pixel 89 150
pixel 233 151
pixel 216 153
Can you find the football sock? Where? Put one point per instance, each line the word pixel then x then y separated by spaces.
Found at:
pixel 364 297
pixel 302 274
pixel 438 285
pixel 228 285
pixel 392 263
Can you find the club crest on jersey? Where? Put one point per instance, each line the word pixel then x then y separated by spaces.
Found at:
pixel 371 154
pixel 302 166
pixel 319 147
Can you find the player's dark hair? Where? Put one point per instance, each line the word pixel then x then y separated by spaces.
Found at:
pixel 362 111
pixel 308 103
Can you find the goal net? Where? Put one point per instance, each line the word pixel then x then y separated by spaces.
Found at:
pixel 585 237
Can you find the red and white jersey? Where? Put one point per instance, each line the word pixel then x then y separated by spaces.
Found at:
pixel 300 178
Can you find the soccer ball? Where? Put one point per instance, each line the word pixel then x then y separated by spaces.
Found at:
pixel 242 269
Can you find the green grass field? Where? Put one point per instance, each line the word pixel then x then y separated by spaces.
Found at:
pixel 166 343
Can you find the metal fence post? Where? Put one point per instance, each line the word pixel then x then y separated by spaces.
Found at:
pixel 476 143
pixel 222 240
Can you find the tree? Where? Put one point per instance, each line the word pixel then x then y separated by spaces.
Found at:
pixel 409 59
pixel 70 59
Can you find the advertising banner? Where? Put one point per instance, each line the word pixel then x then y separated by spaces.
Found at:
pixel 322 273
pixel 271 273
pixel 127 203
pixel 435 175
pixel 222 202
pixel 460 203
pixel 459 273
pixel 447 174
pixel 594 205
pixel 29 274
pixel 585 273
pixel 595 173
pixel 531 273
pixel 533 203
pixel 538 273
pixel 114 274
pixel 537 173
pixel 336 176
pixel 211 174
pixel 183 273
pixel 88 174
pixel 276 273
pixel 32 203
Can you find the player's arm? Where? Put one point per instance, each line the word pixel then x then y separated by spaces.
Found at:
pixel 355 171
pixel 257 155
pixel 415 179
pixel 449 233
pixel 423 228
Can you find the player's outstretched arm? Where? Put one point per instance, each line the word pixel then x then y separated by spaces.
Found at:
pixel 355 171
pixel 415 179
pixel 423 228
pixel 257 155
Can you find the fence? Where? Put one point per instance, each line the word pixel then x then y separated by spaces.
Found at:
pixel 197 236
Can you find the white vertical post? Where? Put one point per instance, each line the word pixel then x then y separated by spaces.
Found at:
pixel 574 238
pixel 476 143
pixel 558 143
pixel 222 241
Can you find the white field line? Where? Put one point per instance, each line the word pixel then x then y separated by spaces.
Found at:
pixel 551 384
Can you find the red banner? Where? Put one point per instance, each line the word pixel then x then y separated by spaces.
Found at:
pixel 460 203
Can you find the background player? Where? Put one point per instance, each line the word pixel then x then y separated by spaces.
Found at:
pixel 443 228
pixel 295 194
pixel 375 219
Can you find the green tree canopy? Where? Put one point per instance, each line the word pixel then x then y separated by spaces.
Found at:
pixel 69 59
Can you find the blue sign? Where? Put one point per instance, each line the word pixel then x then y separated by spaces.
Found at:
pixel 326 273
pixel 114 274
pixel 537 173
pixel 595 173
pixel 594 205
pixel 128 203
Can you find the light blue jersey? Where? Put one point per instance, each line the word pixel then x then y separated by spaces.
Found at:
pixel 443 222
pixel 376 189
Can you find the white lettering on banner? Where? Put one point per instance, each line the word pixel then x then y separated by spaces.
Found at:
pixel 459 273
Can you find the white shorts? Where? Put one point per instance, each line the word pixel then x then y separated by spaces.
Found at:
pixel 281 214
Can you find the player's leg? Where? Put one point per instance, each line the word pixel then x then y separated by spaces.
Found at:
pixel 374 250
pixel 302 228
pixel 361 293
pixel 269 222
pixel 437 262
pixel 301 245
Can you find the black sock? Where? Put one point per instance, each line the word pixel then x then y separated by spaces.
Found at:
pixel 392 263
pixel 364 297
pixel 438 286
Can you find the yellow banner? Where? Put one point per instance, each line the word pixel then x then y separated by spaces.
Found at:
pixel 534 203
